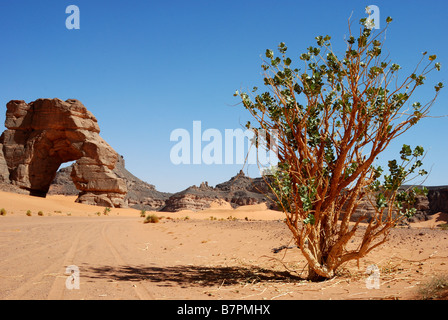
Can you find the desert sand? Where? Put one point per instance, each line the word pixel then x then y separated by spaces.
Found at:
pixel 218 253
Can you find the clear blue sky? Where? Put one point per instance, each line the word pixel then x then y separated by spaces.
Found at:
pixel 145 68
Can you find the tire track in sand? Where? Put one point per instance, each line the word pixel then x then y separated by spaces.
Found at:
pixel 55 291
pixel 38 286
pixel 140 290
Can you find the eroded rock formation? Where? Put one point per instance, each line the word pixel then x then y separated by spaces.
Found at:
pixel 43 134
pixel 141 195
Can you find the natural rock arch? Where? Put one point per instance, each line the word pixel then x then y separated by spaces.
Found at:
pixel 43 134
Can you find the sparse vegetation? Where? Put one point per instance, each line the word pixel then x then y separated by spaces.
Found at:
pixel 40 213
pixel 143 213
pixel 106 211
pixel 152 218
pixel 444 226
pixel 28 213
pixel 436 288
pixel 2 212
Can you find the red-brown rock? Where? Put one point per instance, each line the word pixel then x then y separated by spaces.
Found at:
pixel 43 134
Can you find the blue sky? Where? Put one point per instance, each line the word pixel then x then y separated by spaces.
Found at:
pixel 146 68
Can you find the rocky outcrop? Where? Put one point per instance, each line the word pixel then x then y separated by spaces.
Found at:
pixel 240 190
pixel 63 183
pixel 141 195
pixel 42 135
pixel 438 199
pixel 193 198
pixel 366 208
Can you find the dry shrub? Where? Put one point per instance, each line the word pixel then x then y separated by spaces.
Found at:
pixel 434 289
pixel 151 219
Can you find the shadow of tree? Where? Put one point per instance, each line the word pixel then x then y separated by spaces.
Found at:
pixel 190 275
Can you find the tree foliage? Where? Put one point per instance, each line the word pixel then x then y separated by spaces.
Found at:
pixel 334 117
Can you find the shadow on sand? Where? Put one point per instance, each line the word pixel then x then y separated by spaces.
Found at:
pixel 190 275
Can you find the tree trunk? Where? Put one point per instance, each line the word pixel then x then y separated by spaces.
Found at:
pixel 314 276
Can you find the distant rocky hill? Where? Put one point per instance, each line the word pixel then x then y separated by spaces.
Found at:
pixel 140 195
pixel 240 190
pixel 63 183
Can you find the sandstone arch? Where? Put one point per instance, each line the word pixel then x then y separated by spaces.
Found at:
pixel 43 134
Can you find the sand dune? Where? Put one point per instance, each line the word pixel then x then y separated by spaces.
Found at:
pixel 221 209
pixel 55 205
pixel 434 221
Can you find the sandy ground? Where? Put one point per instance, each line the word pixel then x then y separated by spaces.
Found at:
pixel 219 253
